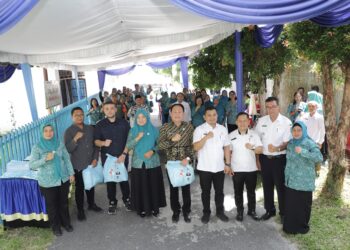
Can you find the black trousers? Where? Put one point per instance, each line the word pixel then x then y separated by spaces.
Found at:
pixel 174 198
pixel 298 211
pixel 206 180
pixel 249 180
pixel 272 172
pixel 112 191
pixel 231 127
pixel 79 191
pixel 56 200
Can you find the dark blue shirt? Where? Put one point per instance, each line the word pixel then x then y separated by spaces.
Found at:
pixel 117 132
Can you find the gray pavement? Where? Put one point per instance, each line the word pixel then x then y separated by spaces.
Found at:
pixel 126 230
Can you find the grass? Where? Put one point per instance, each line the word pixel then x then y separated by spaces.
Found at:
pixel 329 227
pixel 29 238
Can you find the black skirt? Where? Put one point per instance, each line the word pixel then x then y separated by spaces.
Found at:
pixel 147 190
pixel 297 211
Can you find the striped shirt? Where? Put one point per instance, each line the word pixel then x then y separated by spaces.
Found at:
pixel 176 150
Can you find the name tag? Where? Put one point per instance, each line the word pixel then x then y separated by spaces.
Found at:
pixel 264 126
pixel 233 139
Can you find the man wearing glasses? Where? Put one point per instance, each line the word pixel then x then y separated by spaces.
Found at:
pixel 274 132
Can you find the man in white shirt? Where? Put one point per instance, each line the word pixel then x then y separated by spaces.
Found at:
pixel 180 99
pixel 274 132
pixel 211 141
pixel 245 143
pixel 314 123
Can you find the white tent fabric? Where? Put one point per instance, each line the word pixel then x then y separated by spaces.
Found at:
pixel 90 35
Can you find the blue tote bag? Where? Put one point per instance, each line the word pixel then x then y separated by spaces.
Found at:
pixel 113 171
pixel 179 175
pixel 92 176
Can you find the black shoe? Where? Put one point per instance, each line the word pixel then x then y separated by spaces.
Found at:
pixel 57 232
pixel 95 208
pixel 205 218
pixel 222 216
pixel 239 216
pixel 81 215
pixel 267 215
pixel 187 218
pixel 127 205
pixel 142 214
pixel 253 215
pixel 175 218
pixel 112 209
pixel 68 228
pixel 155 213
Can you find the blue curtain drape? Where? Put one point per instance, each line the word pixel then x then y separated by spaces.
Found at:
pixel 114 72
pixel 166 64
pixel 239 72
pixel 184 71
pixel 6 72
pixel 266 36
pixel 260 12
pixel 337 17
pixel 28 81
pixel 12 11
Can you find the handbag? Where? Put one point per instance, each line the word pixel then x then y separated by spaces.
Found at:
pixel 92 176
pixel 113 171
pixel 179 175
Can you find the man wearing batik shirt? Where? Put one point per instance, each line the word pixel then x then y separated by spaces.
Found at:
pixel 176 139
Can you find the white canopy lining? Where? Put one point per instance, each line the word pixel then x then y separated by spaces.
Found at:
pixel 92 35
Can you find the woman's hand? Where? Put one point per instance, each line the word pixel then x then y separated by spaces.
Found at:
pixel 94 163
pixel 49 156
pixel 139 136
pixel 71 178
pixel 148 154
pixel 184 162
pixel 298 150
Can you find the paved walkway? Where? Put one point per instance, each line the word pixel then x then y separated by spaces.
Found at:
pixel 126 230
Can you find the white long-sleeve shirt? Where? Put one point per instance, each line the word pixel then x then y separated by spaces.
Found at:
pixel 315 126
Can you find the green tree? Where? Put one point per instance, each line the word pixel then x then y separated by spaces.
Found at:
pixel 329 47
pixel 213 66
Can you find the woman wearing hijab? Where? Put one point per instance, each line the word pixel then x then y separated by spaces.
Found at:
pixel 220 110
pixel 147 186
pixel 300 175
pixel 55 172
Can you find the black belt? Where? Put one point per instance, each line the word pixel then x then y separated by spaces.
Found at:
pixel 275 156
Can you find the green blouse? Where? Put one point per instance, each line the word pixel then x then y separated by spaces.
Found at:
pixel 46 169
pixel 136 161
pixel 300 169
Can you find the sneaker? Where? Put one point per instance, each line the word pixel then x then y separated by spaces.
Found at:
pixel 175 218
pixel 187 218
pixel 222 217
pixel 127 205
pixel 81 215
pixel 95 208
pixel 205 218
pixel 112 209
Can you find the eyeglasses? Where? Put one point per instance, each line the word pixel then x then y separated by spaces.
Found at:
pixel 271 107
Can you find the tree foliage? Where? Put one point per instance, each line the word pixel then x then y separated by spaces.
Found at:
pixel 213 66
pixel 329 47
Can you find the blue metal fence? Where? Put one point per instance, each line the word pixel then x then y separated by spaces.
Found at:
pixel 17 144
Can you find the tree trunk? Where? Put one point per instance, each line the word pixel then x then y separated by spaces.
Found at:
pixel 276 86
pixel 336 133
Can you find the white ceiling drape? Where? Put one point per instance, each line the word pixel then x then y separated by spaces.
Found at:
pixel 92 34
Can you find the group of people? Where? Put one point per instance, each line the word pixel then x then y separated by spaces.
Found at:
pixel 282 151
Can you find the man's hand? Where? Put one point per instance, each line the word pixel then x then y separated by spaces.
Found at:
pixel 107 143
pixel 71 178
pixel 228 171
pixel 249 146
pixel 210 135
pixel 94 163
pixel 148 154
pixel 77 136
pixel 176 138
pixel 272 148
pixel 121 159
